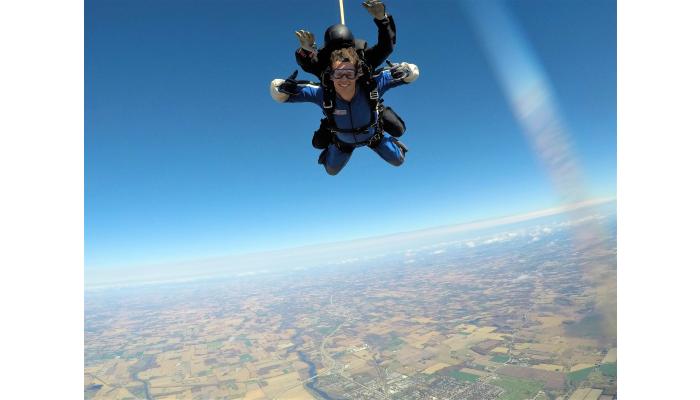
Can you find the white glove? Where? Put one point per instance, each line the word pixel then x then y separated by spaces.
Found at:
pixel 404 71
pixel 275 93
pixel 306 40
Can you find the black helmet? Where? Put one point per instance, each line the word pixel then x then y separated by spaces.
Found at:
pixel 338 36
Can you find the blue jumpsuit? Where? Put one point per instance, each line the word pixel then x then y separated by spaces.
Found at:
pixel 351 115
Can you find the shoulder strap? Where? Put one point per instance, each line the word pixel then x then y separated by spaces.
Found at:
pixel 328 96
pixel 373 91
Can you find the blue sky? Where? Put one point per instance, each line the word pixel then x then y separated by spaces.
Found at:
pixel 187 156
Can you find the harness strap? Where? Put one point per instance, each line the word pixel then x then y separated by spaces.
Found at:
pixel 375 105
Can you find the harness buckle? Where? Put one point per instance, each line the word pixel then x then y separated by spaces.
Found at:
pixel 374 94
pixel 375 140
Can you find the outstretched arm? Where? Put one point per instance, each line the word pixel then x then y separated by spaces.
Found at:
pixel 291 90
pixel 399 74
pixel 386 33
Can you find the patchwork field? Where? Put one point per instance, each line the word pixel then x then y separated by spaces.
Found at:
pixel 465 323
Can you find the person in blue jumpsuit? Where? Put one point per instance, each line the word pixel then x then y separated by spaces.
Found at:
pixel 352 113
pixel 316 61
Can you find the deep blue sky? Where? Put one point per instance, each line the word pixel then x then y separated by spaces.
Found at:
pixel 187 156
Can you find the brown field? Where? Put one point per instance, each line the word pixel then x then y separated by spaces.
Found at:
pixel 406 356
pixel 581 366
pixel 594 394
pixel 254 392
pixel 522 346
pixel 281 383
pixel 435 367
pixel 458 342
pixel 363 354
pixel 586 394
pixel 355 364
pixel 549 367
pixel 486 346
pixel 611 357
pixel 114 393
pixel 298 393
pixel 580 394
pixel 419 341
pixel 549 321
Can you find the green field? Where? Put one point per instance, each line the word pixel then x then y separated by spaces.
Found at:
pixel 213 346
pixel 395 343
pixel 245 340
pixel 580 375
pixel 463 376
pixel 246 358
pixel 589 327
pixel 501 358
pixel 609 369
pixel 517 389
pixel 326 330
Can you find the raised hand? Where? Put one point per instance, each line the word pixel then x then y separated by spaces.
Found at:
pixel 376 8
pixel 306 40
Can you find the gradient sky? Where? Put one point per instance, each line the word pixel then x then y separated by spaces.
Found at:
pixel 187 156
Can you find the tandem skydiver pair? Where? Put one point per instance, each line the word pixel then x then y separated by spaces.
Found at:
pixel 350 91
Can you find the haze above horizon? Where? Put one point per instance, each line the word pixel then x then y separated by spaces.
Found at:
pixel 322 254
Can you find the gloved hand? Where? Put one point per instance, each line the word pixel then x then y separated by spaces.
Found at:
pixel 399 71
pixel 404 71
pixel 290 85
pixel 376 8
pixel 306 40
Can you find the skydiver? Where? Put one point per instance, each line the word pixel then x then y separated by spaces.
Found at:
pixel 339 36
pixel 352 110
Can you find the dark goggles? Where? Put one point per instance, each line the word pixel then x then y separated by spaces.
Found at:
pixel 344 73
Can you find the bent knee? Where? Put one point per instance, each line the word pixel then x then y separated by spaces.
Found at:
pixel 394 130
pixel 332 170
pixel 396 161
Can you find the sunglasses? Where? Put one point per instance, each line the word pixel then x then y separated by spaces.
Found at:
pixel 344 73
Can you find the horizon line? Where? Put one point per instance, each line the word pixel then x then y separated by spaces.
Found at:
pixel 311 249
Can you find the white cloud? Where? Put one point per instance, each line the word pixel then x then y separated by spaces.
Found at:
pixel 313 255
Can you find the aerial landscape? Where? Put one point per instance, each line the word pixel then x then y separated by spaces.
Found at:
pixel 522 311
pixel 222 261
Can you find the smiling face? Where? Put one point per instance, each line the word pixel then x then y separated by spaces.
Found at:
pixel 344 72
pixel 344 76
